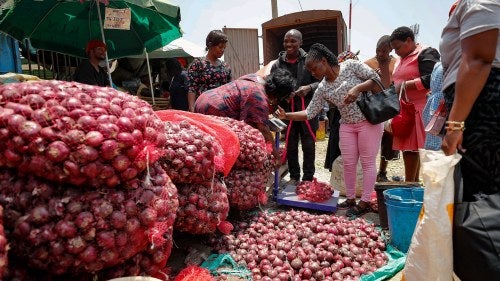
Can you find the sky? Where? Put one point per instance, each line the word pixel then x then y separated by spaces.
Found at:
pixel 370 18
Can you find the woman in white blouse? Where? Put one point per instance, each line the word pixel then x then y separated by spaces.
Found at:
pixel 341 85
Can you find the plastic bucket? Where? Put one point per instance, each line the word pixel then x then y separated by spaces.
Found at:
pixel 403 208
pixel 380 187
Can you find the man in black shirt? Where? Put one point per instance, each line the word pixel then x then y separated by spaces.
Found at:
pixel 293 60
pixel 89 71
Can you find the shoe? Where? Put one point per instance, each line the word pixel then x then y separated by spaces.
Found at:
pixel 348 203
pixel 357 210
pixel 382 177
pixel 292 182
pixel 397 178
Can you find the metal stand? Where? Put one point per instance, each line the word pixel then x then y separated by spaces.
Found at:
pixel 288 196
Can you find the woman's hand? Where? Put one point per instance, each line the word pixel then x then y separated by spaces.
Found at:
pixel 280 113
pixel 302 91
pixel 451 142
pixel 351 96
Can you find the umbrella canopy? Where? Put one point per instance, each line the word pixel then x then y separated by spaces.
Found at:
pixel 179 48
pixel 65 26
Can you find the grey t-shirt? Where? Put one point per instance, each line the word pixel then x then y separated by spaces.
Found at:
pixel 469 18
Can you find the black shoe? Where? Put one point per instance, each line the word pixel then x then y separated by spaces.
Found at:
pixel 382 177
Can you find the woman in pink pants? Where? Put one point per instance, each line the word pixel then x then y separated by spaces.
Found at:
pixel 341 85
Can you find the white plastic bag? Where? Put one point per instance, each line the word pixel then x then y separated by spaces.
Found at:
pixel 430 256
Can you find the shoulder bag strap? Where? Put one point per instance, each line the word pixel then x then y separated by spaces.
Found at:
pixel 403 89
pixel 378 83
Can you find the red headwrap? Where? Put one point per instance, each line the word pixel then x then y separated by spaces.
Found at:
pixel 92 44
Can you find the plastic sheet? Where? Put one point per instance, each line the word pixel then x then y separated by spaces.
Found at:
pixel 395 264
pixel 223 264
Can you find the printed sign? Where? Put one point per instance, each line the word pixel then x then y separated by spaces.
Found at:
pixel 117 19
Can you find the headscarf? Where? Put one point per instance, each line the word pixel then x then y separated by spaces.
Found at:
pixel 92 44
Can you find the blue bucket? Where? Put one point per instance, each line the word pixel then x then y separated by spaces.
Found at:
pixel 403 208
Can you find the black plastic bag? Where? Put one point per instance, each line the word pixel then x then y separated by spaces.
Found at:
pixel 476 232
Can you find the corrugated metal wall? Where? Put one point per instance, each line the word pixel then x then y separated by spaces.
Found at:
pixel 242 50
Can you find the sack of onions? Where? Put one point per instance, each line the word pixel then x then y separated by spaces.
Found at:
pixel 253 151
pixel 314 191
pixel 226 145
pixel 3 247
pixel 189 153
pixel 246 189
pixel 60 228
pixel 74 133
pixel 203 207
pixel 150 262
pixel 297 245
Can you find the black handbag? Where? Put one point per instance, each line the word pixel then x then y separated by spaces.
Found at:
pixel 381 106
pixel 476 231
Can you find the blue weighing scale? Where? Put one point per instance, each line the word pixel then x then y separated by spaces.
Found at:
pixel 287 196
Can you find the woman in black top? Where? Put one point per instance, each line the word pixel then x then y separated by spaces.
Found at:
pixel 179 85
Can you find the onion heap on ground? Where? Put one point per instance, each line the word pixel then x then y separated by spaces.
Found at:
pixel 297 245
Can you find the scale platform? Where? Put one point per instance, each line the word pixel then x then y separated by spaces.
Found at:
pixel 288 197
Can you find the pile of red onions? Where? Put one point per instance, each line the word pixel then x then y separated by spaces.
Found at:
pixel 74 133
pixel 202 207
pixel 61 228
pixel 252 145
pixel 314 190
pixel 189 153
pixel 296 245
pixel 3 247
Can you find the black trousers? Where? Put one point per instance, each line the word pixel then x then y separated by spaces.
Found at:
pixel 300 131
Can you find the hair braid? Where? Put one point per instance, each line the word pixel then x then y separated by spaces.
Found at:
pixel 319 51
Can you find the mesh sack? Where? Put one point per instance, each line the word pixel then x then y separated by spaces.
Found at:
pixel 189 153
pixel 202 207
pixel 194 273
pixel 314 191
pixel 74 133
pixel 227 145
pixel 3 247
pixel 253 149
pixel 245 188
pixel 61 229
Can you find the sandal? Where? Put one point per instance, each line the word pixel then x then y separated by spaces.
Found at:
pixel 348 203
pixel 357 210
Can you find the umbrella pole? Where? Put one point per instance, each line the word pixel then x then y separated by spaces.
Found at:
pixel 152 90
pixel 104 40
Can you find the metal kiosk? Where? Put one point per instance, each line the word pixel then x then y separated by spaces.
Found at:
pixel 287 195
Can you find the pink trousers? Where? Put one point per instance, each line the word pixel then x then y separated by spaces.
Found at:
pixel 360 141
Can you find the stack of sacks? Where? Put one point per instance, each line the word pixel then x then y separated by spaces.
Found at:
pixel 79 181
pixel 246 183
pixel 197 154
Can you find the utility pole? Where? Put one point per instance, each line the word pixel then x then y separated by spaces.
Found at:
pixel 350 20
pixel 274 8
